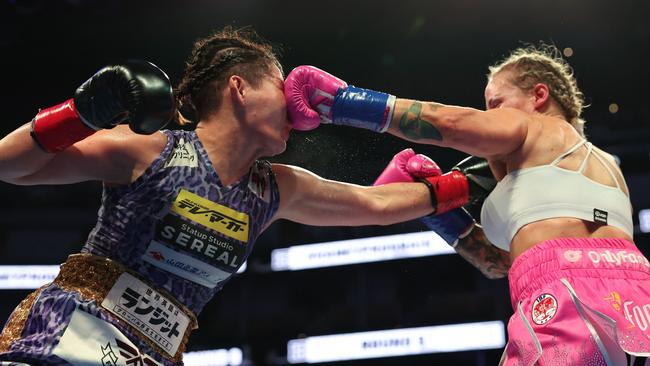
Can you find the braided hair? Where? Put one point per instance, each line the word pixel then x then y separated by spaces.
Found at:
pixel 214 59
pixel 543 64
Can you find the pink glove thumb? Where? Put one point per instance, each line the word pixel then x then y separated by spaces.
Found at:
pixel 421 166
pixel 396 170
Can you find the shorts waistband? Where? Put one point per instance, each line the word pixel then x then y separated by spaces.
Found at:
pixel 93 277
pixel 574 257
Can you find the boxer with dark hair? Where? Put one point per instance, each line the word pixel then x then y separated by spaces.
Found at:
pixel 180 210
pixel 560 208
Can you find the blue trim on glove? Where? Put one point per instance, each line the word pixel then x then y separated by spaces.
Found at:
pixel 449 225
pixel 362 108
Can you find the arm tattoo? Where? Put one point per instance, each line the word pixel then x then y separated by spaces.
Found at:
pixel 414 127
pixel 493 262
pixel 434 106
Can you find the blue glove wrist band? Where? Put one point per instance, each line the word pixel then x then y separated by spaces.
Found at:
pixel 449 225
pixel 363 108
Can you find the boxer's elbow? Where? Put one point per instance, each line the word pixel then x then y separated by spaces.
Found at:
pixel 378 210
pixel 20 176
pixel 392 210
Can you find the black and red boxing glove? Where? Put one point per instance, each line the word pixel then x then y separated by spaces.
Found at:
pixel 468 183
pixel 135 92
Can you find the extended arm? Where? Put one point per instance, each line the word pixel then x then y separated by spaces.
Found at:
pixel 488 134
pixel 310 199
pixel 314 96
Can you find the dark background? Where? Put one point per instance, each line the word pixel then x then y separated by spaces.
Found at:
pixel 427 50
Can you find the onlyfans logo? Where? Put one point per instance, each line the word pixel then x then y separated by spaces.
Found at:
pixel 617 258
pixel 573 255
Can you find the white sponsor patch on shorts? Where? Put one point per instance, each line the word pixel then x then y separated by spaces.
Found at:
pixel 148 311
pixel 89 340
pixel 601 258
pixel 184 265
pixel 544 309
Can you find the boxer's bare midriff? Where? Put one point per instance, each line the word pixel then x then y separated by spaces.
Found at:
pixel 563 227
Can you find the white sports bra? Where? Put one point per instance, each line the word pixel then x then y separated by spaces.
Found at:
pixel 548 191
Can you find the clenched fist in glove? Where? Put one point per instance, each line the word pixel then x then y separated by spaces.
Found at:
pixel 315 96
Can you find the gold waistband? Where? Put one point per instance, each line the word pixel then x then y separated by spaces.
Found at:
pixel 93 277
pixel 14 327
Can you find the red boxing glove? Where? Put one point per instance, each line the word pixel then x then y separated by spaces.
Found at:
pixel 448 191
pixel 58 127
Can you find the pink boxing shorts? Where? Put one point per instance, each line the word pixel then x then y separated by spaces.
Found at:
pixel 579 302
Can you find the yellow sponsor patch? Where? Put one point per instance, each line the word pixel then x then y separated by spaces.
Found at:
pixel 212 215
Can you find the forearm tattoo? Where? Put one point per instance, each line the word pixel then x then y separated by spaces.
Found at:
pixel 490 260
pixel 414 127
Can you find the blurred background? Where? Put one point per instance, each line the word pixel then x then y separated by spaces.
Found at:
pixel 427 50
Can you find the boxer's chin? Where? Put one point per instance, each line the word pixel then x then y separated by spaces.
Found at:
pixel 278 148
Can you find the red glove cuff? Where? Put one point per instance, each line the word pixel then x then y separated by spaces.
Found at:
pixel 448 191
pixel 58 127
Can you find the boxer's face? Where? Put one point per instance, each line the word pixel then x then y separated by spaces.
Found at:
pixel 268 112
pixel 501 93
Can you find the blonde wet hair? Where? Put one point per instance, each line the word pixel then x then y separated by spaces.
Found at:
pixel 544 64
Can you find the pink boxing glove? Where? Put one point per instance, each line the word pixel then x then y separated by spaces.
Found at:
pixel 406 166
pixel 421 166
pixel 310 93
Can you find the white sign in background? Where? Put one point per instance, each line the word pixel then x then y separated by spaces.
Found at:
pixel 29 277
pixel 397 342
pixel 343 252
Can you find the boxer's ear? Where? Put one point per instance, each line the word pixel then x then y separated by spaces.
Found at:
pixel 238 87
pixel 541 96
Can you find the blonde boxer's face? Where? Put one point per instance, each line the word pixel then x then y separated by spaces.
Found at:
pixel 501 93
